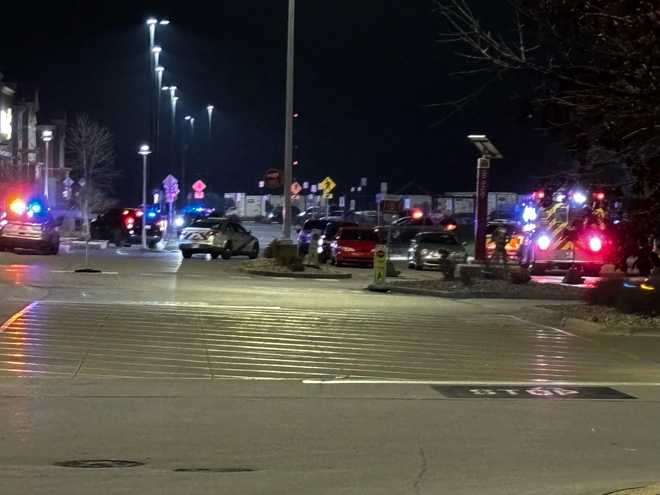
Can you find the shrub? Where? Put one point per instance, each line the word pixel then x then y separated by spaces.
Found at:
pixel 605 293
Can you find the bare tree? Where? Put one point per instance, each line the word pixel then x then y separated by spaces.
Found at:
pixel 594 67
pixel 91 151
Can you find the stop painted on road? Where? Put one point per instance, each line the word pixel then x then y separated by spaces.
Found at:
pixel 539 392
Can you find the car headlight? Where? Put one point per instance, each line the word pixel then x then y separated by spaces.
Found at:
pixel 179 221
pixel 424 252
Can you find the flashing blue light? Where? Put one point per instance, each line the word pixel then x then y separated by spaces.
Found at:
pixel 35 207
pixel 151 214
pixel 629 285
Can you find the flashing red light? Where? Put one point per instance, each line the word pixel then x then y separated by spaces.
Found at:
pixel 417 214
pixel 129 221
pixel 450 226
pixel 18 206
pixel 138 213
pixel 539 194
pixel 125 212
pixel 600 196
pixel 595 244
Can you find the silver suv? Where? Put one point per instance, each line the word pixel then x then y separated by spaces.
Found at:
pixel 217 237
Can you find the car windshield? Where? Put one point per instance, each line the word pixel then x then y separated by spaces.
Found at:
pixel 315 225
pixel 206 223
pixel 358 235
pixel 434 238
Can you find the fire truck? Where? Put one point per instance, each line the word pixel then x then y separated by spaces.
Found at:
pixel 567 227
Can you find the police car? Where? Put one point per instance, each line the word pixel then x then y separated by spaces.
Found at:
pixel 28 225
pixel 217 236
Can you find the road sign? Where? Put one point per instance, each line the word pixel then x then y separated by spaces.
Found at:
pixel 363 181
pixel 262 184
pixel 391 206
pixel 82 182
pixel 171 188
pixel 198 188
pixel 531 392
pixel 383 187
pixel 380 264
pixel 327 195
pixel 342 201
pixel 295 188
pixel 327 184
pixel 314 188
pixel 68 182
pixel 305 185
pixel 273 178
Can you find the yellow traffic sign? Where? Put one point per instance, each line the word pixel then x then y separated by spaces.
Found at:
pixel 327 184
pixel 380 264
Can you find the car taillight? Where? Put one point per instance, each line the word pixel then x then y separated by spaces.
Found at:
pixel 130 221
pixel 450 226
pixel 543 242
pixel 595 244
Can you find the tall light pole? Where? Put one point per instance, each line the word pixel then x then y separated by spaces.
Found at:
pixel 191 120
pixel 288 132
pixel 209 110
pixel 488 151
pixel 46 137
pixel 144 151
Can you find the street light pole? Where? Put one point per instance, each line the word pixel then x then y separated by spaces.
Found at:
pixel 488 151
pixel 288 132
pixel 209 109
pixel 46 137
pixel 144 151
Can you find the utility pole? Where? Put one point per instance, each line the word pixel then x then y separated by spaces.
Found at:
pixel 288 133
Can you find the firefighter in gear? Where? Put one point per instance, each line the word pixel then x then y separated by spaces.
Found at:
pixel 501 238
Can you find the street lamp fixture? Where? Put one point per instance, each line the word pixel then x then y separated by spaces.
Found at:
pixel 144 151
pixel 46 137
pixel 210 108
pixel 485 147
pixel 152 21
pixel 164 22
pixel 159 75
pixel 187 117
pixel 156 51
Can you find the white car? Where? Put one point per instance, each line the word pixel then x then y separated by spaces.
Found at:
pixel 217 237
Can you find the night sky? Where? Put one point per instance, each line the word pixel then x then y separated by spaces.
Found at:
pixel 366 73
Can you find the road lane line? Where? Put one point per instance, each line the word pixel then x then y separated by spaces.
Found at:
pixel 17 315
pixel 348 381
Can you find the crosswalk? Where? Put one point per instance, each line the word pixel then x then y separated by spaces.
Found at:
pixel 207 341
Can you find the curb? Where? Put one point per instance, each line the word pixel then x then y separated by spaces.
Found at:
pixel 268 273
pixel 585 326
pixel 92 244
pixel 454 295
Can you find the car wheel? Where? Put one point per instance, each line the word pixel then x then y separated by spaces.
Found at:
pixel 214 256
pixel 117 238
pixel 227 252
pixel 186 254
pixel 418 265
pixel 537 270
pixel 255 251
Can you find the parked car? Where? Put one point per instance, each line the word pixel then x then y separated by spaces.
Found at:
pixel 218 236
pixel 123 227
pixel 328 236
pixel 307 230
pixel 30 234
pixel 354 245
pixel 310 213
pixel 429 249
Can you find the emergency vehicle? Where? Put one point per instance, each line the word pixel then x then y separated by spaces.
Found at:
pixel 565 228
pixel 27 224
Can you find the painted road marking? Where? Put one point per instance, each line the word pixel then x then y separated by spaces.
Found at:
pixel 553 383
pixel 326 279
pixel 480 391
pixel 17 315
